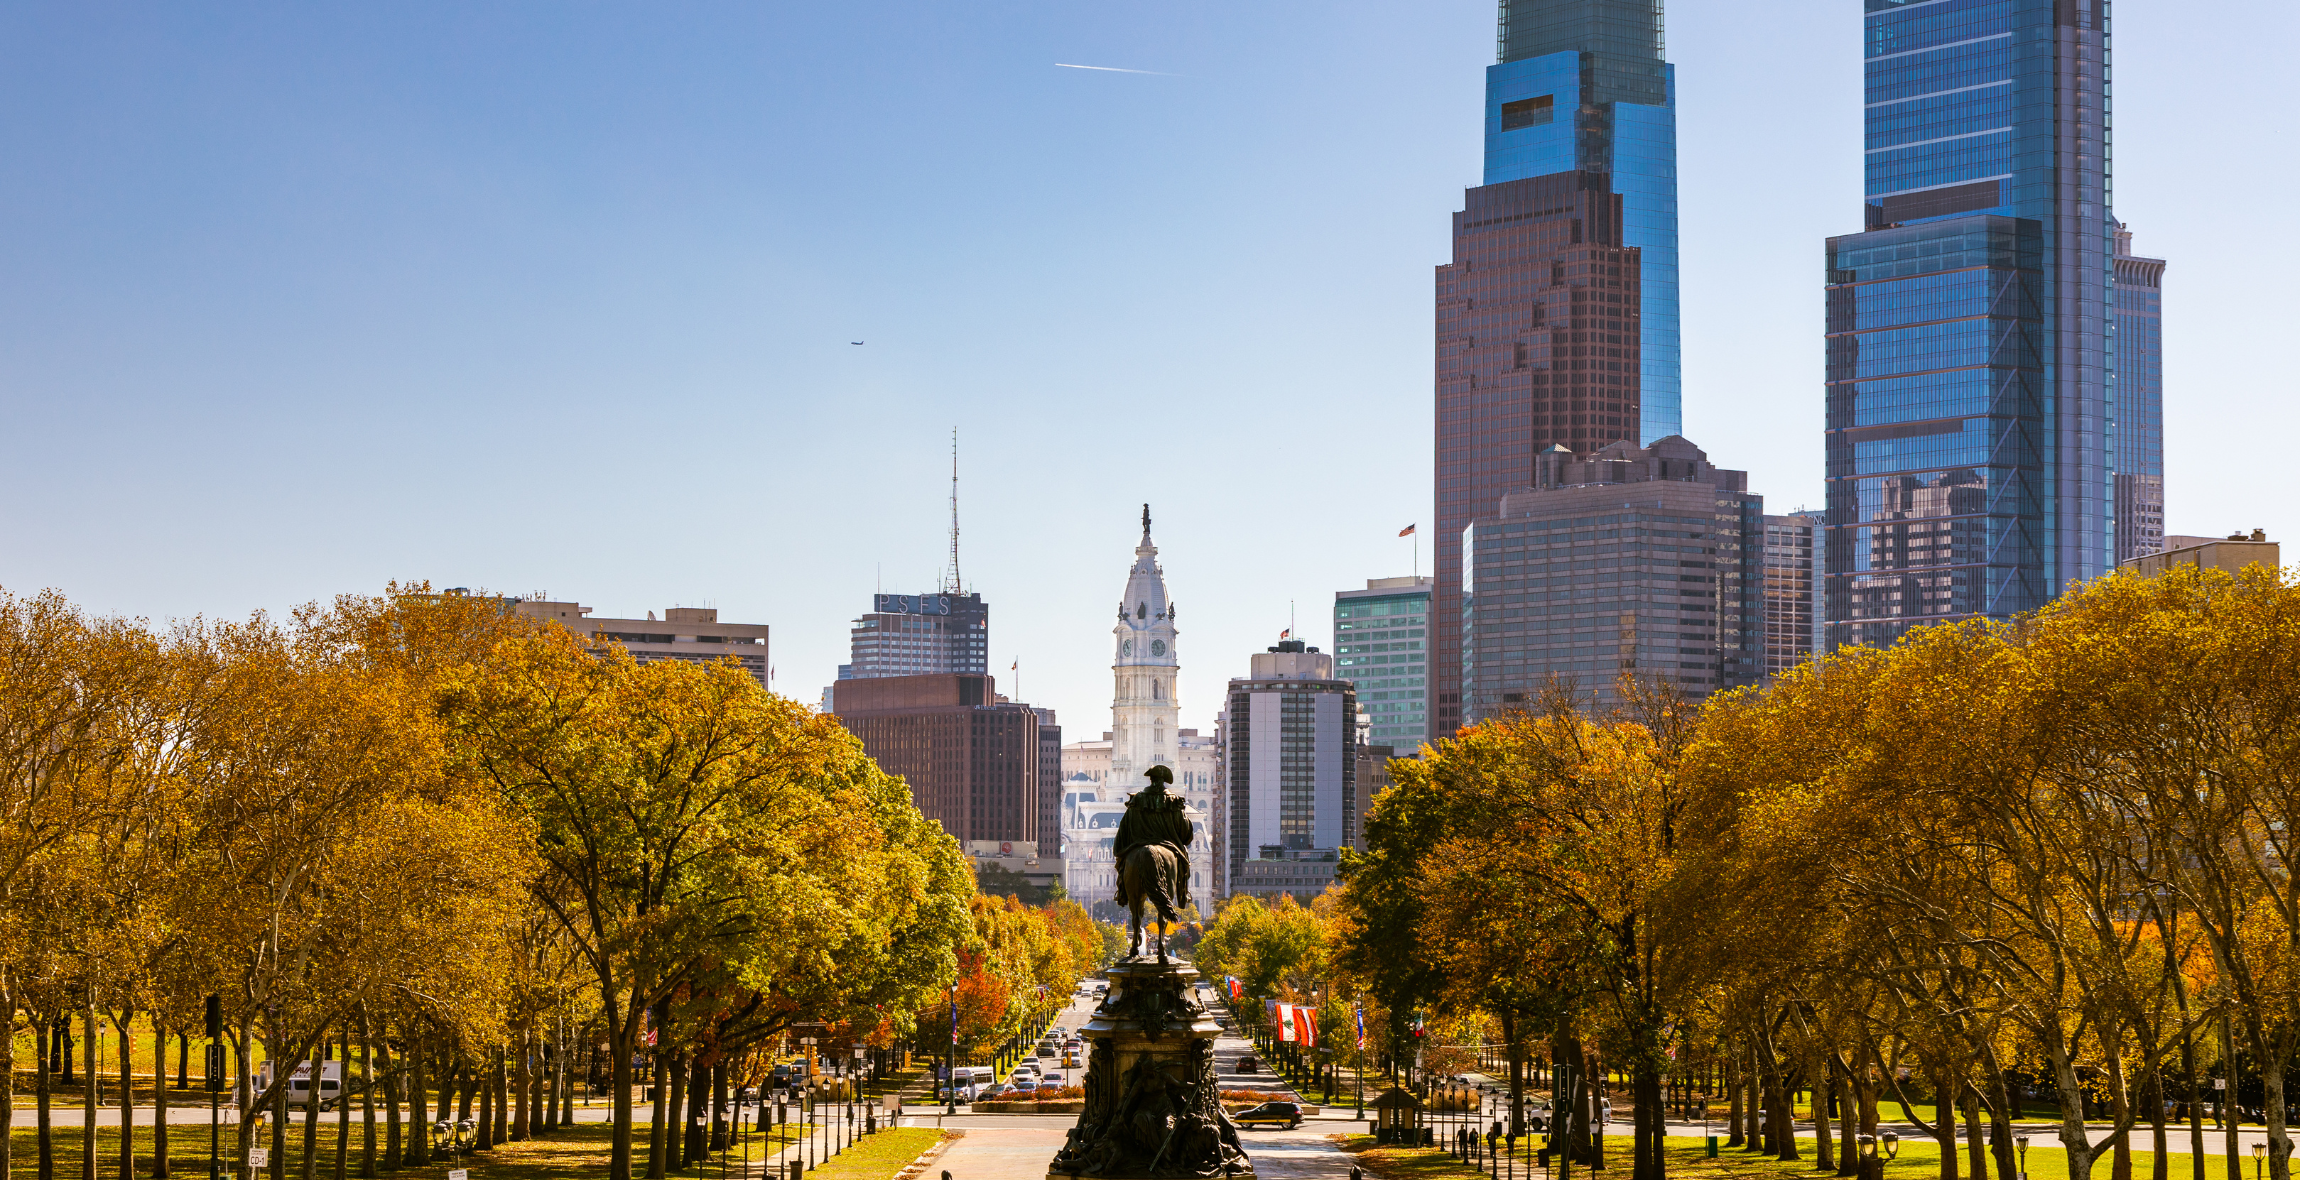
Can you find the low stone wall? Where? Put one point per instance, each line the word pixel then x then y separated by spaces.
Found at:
pixel 1071 1106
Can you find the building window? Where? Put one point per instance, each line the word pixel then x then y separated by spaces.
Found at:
pixel 1527 112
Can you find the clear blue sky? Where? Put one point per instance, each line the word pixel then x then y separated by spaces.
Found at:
pixel 298 299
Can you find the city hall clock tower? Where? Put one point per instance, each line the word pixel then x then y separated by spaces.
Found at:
pixel 1144 717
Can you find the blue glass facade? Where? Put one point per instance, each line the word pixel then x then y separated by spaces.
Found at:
pixel 1970 337
pixel 2139 417
pixel 1582 86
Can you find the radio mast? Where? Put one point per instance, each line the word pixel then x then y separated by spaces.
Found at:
pixel 951 584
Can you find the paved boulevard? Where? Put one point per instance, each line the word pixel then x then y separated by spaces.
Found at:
pixel 1018 1147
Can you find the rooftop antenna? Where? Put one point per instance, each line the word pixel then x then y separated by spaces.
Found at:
pixel 952 584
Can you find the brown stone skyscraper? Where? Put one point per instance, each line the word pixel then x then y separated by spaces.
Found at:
pixel 1537 344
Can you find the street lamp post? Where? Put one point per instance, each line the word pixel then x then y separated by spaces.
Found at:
pixel 2259 1159
pixel 2020 1144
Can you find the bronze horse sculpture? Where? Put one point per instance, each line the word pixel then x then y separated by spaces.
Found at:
pixel 1153 850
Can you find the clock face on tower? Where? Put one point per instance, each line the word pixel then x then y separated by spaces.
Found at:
pixel 1126 648
pixel 1157 647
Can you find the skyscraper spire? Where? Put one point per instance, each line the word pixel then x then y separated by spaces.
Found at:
pixel 951 584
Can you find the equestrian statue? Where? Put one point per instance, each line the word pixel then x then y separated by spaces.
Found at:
pixel 1153 853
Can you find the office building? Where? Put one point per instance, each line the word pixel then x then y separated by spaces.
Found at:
pixel 1373 778
pixel 2229 554
pixel 2139 419
pixel 1557 320
pixel 1290 735
pixel 1049 783
pixel 920 635
pixel 1791 590
pixel 1971 411
pixel 1631 561
pixel 971 758
pixel 690 633
pixel 1381 644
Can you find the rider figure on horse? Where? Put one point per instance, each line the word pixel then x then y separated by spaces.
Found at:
pixel 1154 817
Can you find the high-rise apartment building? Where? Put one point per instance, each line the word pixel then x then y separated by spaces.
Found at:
pixel 689 633
pixel 1290 735
pixel 1381 644
pixel 920 635
pixel 2139 419
pixel 1971 396
pixel 1557 320
pixel 1631 561
pixel 1792 590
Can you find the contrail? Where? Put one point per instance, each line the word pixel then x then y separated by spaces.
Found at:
pixel 1115 70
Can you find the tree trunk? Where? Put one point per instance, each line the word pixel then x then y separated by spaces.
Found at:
pixel 1848 1117
pixel 45 1040
pixel 681 1142
pixel 487 1138
pixel 391 1144
pixel 311 1108
pixel 1976 1151
pixel 523 1098
pixel 7 1084
pixel 183 1061
pixel 1652 1125
pixel 127 1098
pixel 280 1069
pixel 366 1095
pixel 159 1102
pixel 1945 1121
pixel 698 1098
pixel 718 1136
pixel 2159 1146
pixel 1733 1106
pixel 2195 1107
pixel 499 1078
pixel 2228 1103
pixel 89 1095
pixel 343 1103
pixel 658 1108
pixel 1824 1092
pixel 418 1103
pixel 619 1047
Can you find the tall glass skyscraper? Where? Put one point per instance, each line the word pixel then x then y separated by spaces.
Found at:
pixel 1582 85
pixel 1971 398
pixel 1557 318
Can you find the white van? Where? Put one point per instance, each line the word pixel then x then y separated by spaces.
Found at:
pixel 968 1079
pixel 299 1083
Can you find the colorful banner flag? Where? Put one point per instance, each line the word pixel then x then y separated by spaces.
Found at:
pixel 1361 1030
pixel 1407 531
pixel 1306 1027
pixel 1237 989
pixel 1285 1023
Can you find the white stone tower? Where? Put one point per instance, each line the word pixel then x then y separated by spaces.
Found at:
pixel 1144 718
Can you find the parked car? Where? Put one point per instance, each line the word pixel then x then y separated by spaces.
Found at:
pixel 1021 1085
pixel 1283 1115
pixel 990 1092
pixel 1248 1064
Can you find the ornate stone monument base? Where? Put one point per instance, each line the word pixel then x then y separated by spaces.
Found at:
pixel 1152 1110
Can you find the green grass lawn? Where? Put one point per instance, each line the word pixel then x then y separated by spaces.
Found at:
pixel 1918 1160
pixel 880 1155
pixel 582 1150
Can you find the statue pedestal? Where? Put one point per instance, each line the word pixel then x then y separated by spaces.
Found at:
pixel 1152 1110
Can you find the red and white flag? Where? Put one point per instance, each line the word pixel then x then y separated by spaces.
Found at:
pixel 1286 1023
pixel 1408 530
pixel 1306 1027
